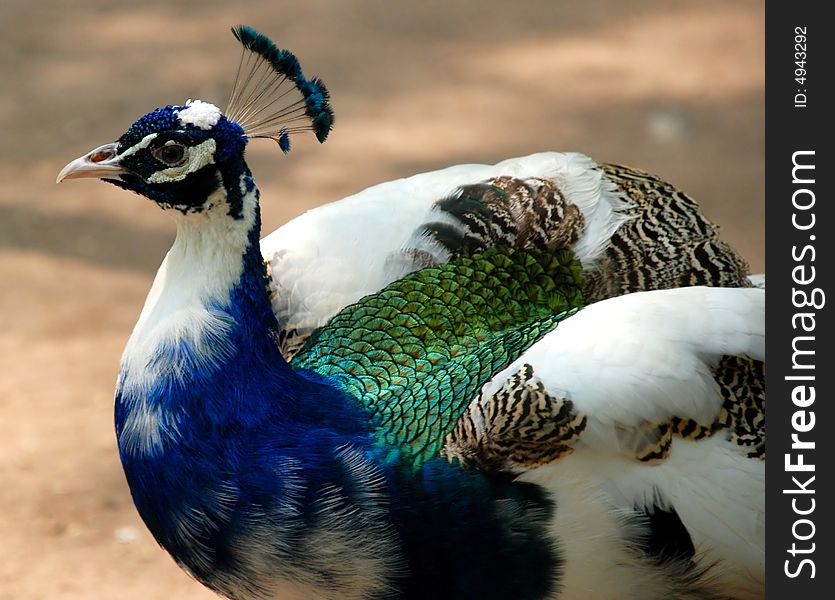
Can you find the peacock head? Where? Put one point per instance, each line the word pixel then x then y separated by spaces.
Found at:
pixel 179 155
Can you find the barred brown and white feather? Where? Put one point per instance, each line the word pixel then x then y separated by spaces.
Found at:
pixel 504 211
pixel 648 442
pixel 521 425
pixel 666 243
pixel 742 385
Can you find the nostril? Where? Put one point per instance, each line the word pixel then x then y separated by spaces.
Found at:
pixel 100 155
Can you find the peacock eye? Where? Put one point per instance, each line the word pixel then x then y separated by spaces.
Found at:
pixel 171 153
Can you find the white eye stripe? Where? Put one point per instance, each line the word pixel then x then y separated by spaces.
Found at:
pixel 197 157
pixel 141 145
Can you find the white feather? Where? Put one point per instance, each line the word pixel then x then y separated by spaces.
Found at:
pixel 757 280
pixel 200 114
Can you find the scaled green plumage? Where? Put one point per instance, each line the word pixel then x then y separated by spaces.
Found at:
pixel 416 353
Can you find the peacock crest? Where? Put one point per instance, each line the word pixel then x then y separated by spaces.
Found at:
pixel 271 97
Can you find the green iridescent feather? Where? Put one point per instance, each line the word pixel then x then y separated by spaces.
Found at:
pixel 416 353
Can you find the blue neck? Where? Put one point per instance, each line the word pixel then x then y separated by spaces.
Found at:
pixel 225 434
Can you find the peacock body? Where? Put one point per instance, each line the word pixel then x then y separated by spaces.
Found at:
pixel 453 422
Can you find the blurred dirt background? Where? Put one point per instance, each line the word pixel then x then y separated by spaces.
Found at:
pixel 675 87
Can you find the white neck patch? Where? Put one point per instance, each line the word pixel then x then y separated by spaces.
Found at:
pixel 200 114
pixel 184 306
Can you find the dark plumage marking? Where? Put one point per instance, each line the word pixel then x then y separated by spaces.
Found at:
pixel 668 538
pixel 690 429
pixel 235 195
pixel 667 243
pixel 742 387
pixel 520 425
pixel 188 195
pixel 510 552
pixel 506 211
pixel 648 442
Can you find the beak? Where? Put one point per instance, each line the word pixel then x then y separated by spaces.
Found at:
pixel 102 163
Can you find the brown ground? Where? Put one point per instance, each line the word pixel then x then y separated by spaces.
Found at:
pixel 674 87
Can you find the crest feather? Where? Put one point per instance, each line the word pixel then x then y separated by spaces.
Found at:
pixel 271 98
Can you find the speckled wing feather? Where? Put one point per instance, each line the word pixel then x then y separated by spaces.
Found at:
pixel 667 242
pixel 416 353
pixel 504 211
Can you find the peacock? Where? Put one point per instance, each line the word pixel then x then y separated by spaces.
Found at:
pixel 448 386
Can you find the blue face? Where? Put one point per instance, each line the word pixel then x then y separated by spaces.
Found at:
pixel 178 155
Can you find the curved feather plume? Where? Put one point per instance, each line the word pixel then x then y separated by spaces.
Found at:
pixel 264 99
